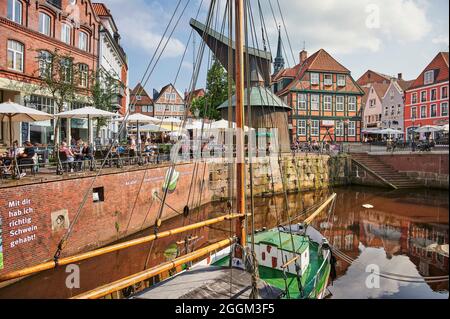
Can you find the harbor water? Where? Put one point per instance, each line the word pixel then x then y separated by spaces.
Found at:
pixel 393 237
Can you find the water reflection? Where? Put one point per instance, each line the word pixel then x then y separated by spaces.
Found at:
pixel 394 236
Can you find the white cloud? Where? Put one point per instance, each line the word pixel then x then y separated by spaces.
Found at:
pixel 441 39
pixel 348 26
pixel 142 25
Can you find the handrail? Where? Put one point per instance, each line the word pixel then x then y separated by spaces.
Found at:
pixel 147 274
pixel 113 248
pixel 373 173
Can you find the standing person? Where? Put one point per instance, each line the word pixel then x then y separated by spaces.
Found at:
pixel 133 146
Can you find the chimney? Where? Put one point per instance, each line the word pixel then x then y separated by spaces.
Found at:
pixel 400 76
pixel 303 56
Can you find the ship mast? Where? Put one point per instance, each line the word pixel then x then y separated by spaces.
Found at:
pixel 240 134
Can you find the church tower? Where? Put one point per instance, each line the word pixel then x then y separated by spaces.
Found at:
pixel 279 60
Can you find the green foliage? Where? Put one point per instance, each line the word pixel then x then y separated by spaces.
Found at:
pixel 216 93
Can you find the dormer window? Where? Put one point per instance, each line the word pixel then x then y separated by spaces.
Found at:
pixel 15 11
pixel 429 77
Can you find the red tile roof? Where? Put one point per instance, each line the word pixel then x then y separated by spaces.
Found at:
pixel 440 65
pixel 145 98
pixel 101 10
pixel 381 89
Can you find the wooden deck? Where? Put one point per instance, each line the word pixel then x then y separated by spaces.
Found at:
pixel 209 283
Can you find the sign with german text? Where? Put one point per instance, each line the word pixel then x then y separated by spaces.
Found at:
pixel 328 123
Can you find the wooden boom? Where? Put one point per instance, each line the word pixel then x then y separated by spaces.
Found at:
pixel 147 274
pixel 320 209
pixel 106 250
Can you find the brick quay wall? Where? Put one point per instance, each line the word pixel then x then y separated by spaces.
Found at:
pixel 35 216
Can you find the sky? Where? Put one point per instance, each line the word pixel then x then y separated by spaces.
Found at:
pixel 388 36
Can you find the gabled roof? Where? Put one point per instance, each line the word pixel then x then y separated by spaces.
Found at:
pixel 101 10
pixel 405 85
pixel 321 61
pixel 441 68
pixel 165 88
pixel 380 89
pixel 145 98
pixel 380 77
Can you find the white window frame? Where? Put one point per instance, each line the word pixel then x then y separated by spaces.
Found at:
pixel 341 80
pixel 422 100
pixel 340 106
pixel 428 77
pixel 315 105
pixel 414 112
pixel 435 95
pixel 422 116
pixel 302 128
pixel 45 23
pixel 414 99
pixel 83 41
pixel 352 128
pixel 84 75
pixel 66 33
pixel 435 110
pixel 16 49
pixel 302 104
pixel 132 108
pixel 14 11
pixel 66 70
pixel 328 105
pixel 315 78
pixel 352 104
pixel 444 105
pixel 45 62
pixel 329 81
pixel 315 128
pixel 442 92
pixel 138 97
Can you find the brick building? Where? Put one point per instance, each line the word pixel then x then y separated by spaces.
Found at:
pixel 141 102
pixel 169 103
pixel 426 101
pixel 33 29
pixel 325 99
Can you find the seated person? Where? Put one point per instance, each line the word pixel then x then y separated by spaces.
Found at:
pixel 87 152
pixel 69 154
pixel 28 156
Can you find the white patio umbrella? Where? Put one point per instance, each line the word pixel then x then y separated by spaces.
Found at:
pixel 223 124
pixel 390 131
pixel 150 128
pixel 87 113
pixel 429 129
pixel 139 118
pixel 13 112
pixel 445 128
pixel 171 121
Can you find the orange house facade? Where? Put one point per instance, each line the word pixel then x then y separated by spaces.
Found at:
pixel 326 101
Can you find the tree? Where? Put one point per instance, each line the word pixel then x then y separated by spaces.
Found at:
pixel 216 93
pixel 104 94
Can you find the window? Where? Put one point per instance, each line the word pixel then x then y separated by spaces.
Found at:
pixel 15 55
pixel 302 128
pixel 98 194
pixel 433 110
pixel 414 98
pixel 138 97
pixel 315 128
pixel 399 109
pixel 352 103
pixel 66 33
pixel 429 77
pixel 444 92
pixel 328 79
pixel 340 104
pixel 392 93
pixel 393 110
pixel 44 23
pixel 413 113
pixel 444 109
pixel 43 104
pixel 301 102
pixel 327 104
pixel 83 41
pixel 171 96
pixel 84 75
pixel 433 95
pixel 15 11
pixel 315 78
pixel 66 70
pixel 373 102
pixel 386 111
pixel 315 98
pixel 339 128
pixel 423 96
pixel 45 64
pixel 132 108
pixel 352 128
pixel 423 112
pixel 341 80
